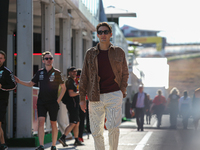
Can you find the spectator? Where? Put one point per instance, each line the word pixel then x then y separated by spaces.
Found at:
pixel 195 107
pixel 159 107
pixel 173 107
pixel 184 108
pixel 81 113
pixel 148 111
pixel 140 103
pixel 127 108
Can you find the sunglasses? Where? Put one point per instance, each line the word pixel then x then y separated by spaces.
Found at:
pixel 100 32
pixel 50 58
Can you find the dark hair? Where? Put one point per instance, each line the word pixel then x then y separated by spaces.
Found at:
pixel 159 92
pixel 78 72
pixel 104 24
pixel 3 53
pixel 72 68
pixel 45 53
pixel 185 93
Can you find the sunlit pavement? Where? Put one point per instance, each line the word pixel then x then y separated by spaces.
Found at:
pixel 150 139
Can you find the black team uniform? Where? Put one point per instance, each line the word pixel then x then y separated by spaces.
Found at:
pixel 72 104
pixel 47 98
pixel 8 83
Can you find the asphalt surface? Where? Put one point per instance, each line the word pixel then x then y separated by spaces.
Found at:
pixel 151 138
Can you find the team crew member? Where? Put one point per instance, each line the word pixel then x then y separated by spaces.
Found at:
pixel 71 99
pixel 49 80
pixel 7 83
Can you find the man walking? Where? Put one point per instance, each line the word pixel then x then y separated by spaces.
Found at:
pixel 71 99
pixel 104 79
pixel 48 99
pixel 140 103
pixel 159 106
pixel 7 83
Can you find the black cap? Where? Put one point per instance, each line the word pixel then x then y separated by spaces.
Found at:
pixel 72 69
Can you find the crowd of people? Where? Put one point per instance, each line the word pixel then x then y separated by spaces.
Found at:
pixel 175 105
pixel 94 92
pixel 100 86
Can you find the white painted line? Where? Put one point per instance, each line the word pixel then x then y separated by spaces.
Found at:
pixel 143 142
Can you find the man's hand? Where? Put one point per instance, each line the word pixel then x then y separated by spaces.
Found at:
pixel 124 94
pixel 132 112
pixel 83 106
pixel 16 79
pixel 25 83
pixel 63 89
pixel 0 86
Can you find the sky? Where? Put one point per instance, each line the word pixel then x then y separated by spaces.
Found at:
pixel 177 20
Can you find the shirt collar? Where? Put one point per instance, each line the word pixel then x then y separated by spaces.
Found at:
pixel 50 71
pixel 96 48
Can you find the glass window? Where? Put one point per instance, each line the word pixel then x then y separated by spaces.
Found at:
pixel 92 6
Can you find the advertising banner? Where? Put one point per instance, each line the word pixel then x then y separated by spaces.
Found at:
pixel 144 40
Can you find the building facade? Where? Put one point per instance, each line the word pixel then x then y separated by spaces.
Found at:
pixel 66 28
pixel 63 27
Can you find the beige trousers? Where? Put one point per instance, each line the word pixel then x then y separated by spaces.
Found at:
pixel 109 106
